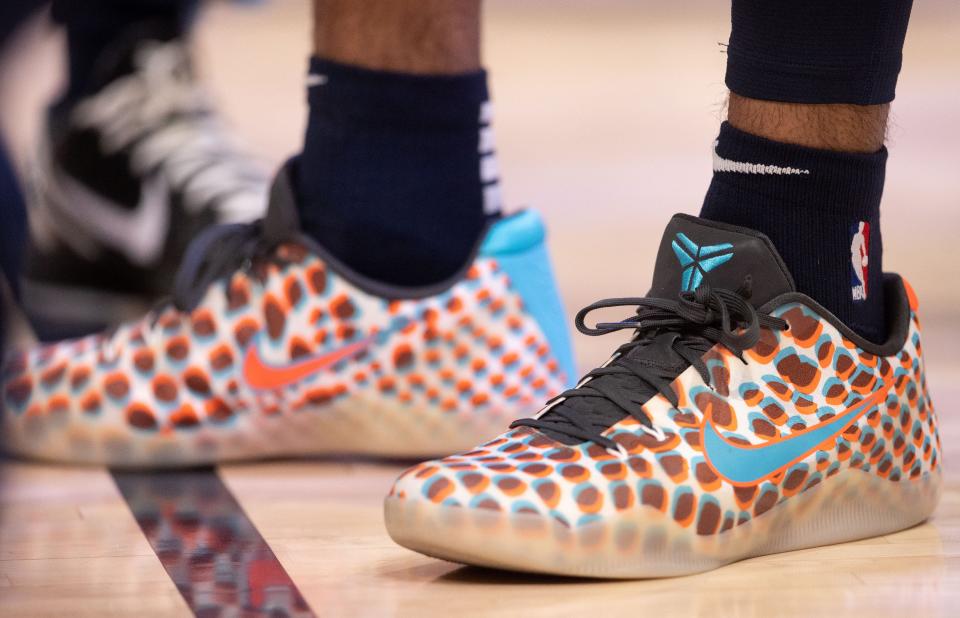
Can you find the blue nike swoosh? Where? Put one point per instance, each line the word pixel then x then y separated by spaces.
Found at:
pixel 742 464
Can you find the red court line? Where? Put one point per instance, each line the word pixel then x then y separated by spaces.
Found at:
pixel 216 557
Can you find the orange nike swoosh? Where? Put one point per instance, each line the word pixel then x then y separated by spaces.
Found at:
pixel 748 465
pixel 263 376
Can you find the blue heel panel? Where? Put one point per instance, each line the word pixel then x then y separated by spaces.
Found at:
pixel 518 245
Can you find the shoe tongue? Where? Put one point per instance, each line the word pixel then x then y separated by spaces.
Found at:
pixel 695 251
pixel 222 244
pixel 282 220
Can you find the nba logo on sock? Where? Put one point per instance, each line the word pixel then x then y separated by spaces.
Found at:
pixel 859 252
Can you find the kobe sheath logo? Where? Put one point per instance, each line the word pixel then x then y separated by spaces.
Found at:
pixel 697 261
pixel 750 464
pixel 859 260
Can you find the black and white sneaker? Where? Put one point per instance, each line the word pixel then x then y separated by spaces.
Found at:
pixel 125 178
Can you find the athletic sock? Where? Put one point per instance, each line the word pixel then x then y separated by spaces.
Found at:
pixel 398 176
pixel 820 208
pixel 13 224
pixel 93 26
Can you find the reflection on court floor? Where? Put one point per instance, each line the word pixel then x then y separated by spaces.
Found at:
pixel 213 553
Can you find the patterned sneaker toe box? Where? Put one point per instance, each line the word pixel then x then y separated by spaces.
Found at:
pixel 806 440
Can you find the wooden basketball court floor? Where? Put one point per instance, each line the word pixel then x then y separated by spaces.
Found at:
pixel 605 114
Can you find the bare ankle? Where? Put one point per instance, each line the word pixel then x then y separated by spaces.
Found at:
pixel 842 127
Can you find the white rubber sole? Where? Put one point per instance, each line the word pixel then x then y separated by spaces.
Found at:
pixel 646 543
pixel 365 424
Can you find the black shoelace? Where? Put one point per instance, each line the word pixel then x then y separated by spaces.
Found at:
pixel 216 252
pixel 669 336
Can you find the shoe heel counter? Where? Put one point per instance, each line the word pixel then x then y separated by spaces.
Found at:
pixel 911 295
pixel 518 244
pixel 930 459
pixel 914 333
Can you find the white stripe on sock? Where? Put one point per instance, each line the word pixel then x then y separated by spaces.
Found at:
pixel 492 199
pixel 487 144
pixel 726 165
pixel 486 112
pixel 489 167
pixel 489 171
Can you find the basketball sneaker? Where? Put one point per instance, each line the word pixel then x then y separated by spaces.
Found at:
pixel 741 419
pixel 123 181
pixel 271 347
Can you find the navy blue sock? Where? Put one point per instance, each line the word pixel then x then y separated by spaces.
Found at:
pixel 13 224
pixel 13 211
pixel 820 208
pixel 397 177
pixel 13 234
pixel 94 25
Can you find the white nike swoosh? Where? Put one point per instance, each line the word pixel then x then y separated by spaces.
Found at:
pixel 139 233
pixel 726 165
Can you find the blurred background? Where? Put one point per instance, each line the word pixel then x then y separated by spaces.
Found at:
pixel 605 115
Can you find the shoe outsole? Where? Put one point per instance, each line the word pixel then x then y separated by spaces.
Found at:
pixel 646 543
pixel 363 425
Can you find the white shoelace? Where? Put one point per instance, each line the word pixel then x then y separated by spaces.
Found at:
pixel 165 117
